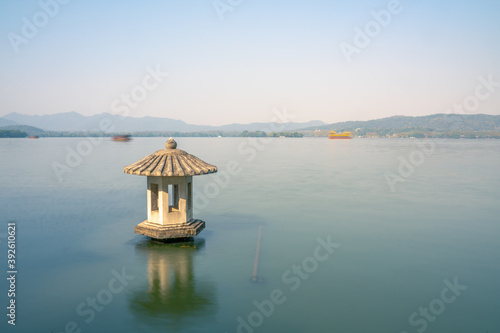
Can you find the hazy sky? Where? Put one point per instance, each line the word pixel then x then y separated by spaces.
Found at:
pixel 236 60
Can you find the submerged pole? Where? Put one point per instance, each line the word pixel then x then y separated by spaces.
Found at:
pixel 256 262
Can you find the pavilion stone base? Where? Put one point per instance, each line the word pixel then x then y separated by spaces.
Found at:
pixel 158 231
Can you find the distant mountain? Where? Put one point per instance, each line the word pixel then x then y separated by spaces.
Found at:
pixel 48 122
pixel 30 130
pixel 72 121
pixel 435 122
pixel 6 122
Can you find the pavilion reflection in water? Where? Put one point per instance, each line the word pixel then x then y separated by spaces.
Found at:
pixel 173 293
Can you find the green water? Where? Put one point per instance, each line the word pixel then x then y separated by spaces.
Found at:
pixel 395 253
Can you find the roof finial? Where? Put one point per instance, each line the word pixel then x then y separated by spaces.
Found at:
pixel 171 144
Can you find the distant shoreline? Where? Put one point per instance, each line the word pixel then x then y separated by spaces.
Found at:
pixel 295 135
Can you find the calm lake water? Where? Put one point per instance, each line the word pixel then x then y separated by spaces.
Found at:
pixel 341 251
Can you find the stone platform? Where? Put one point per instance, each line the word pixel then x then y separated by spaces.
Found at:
pixel 158 231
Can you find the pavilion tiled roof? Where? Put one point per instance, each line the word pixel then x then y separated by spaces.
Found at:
pixel 170 162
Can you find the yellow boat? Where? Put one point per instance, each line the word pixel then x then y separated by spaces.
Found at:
pixel 343 135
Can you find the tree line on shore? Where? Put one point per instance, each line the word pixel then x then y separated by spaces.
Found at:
pixel 409 133
pixel 12 134
pixel 4 133
pixel 362 133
